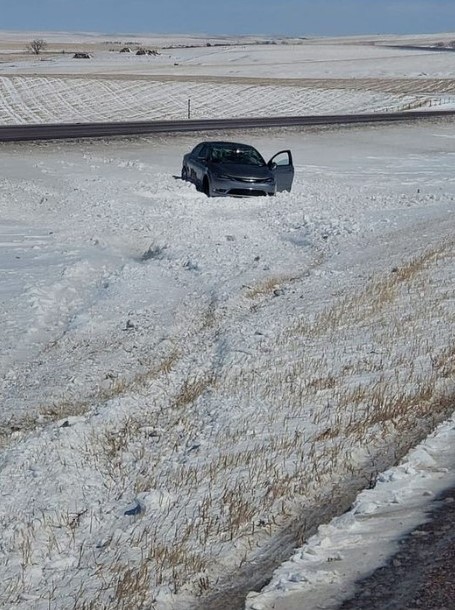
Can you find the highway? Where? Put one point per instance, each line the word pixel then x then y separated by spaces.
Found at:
pixel 61 131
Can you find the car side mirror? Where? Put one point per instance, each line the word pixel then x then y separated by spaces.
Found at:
pixel 272 164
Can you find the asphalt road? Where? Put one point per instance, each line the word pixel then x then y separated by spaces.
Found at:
pixel 54 131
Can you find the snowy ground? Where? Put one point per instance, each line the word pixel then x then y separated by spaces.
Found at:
pixel 184 379
pixel 311 77
pixel 70 100
pixel 214 366
pixel 314 58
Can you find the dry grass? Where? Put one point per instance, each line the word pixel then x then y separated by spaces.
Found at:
pixel 340 396
pixel 266 287
pixel 192 388
pixel 117 388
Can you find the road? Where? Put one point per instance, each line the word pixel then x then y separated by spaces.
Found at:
pixel 54 131
pixel 421 574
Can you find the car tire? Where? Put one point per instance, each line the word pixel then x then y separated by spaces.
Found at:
pixel 184 173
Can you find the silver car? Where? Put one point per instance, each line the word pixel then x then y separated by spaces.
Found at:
pixel 222 169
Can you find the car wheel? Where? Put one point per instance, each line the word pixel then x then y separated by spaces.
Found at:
pixel 206 186
pixel 184 173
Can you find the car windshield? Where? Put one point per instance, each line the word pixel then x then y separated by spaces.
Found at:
pixel 243 155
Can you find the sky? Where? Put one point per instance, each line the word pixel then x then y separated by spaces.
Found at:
pixel 281 17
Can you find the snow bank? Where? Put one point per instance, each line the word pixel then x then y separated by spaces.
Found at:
pixel 323 572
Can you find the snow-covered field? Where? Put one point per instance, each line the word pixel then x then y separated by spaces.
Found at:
pixel 221 81
pixel 70 100
pixel 186 382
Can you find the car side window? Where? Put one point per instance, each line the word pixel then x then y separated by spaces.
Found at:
pixel 203 152
pixel 195 151
pixel 282 159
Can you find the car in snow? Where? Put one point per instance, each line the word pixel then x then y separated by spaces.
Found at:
pixel 238 170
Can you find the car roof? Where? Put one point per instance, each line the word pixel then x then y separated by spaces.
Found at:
pixel 224 143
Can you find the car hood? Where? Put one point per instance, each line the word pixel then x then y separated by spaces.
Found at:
pixel 241 171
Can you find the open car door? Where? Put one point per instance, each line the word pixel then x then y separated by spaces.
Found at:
pixel 283 169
